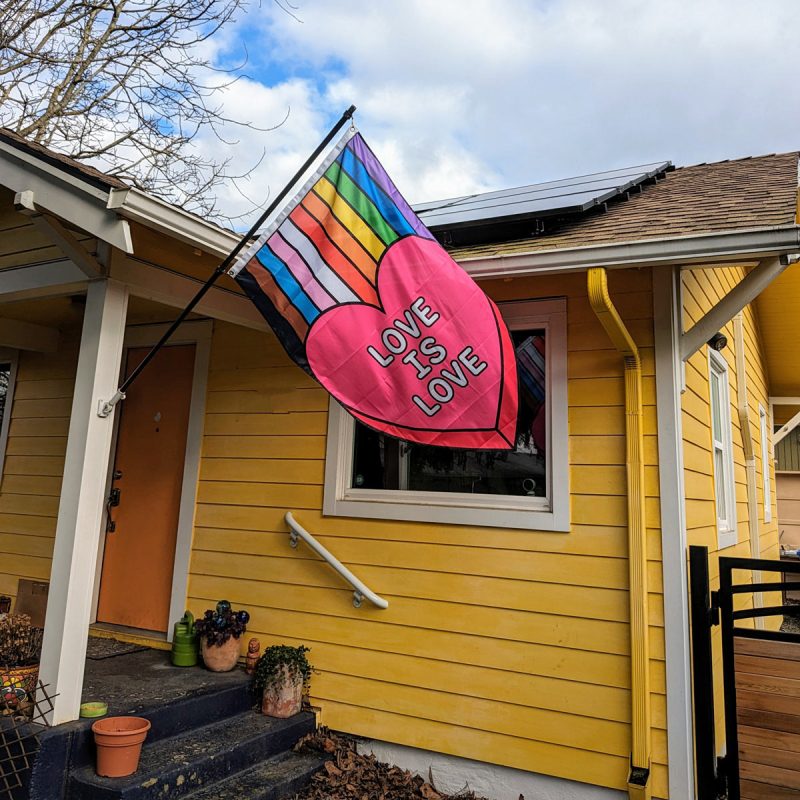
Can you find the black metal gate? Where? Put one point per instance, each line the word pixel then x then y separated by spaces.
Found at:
pixel 760 679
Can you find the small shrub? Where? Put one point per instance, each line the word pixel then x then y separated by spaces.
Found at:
pixel 270 666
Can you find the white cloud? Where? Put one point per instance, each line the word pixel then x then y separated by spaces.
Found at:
pixel 463 95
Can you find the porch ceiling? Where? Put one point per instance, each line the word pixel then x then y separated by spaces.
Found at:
pixel 778 309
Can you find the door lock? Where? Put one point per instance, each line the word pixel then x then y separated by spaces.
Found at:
pixel 112 502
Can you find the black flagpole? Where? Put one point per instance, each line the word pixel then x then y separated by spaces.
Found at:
pixel 107 406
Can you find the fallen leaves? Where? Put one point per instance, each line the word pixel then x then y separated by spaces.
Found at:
pixel 349 775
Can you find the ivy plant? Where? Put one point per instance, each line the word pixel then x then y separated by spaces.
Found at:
pixel 270 667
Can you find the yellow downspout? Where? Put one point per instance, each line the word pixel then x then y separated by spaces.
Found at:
pixel 749 454
pixel 639 777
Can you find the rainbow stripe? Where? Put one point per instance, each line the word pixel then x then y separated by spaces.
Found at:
pixel 531 370
pixel 325 247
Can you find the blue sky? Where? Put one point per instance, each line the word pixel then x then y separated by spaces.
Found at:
pixel 457 96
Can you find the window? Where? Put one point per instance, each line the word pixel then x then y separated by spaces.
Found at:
pixel 8 368
pixel 372 475
pixel 723 449
pixel 767 495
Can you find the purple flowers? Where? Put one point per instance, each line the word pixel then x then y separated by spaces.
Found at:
pixel 218 625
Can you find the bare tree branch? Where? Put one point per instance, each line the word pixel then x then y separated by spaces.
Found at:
pixel 125 84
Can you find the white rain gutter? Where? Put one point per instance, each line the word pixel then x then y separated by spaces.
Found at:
pixel 725 246
pixel 152 212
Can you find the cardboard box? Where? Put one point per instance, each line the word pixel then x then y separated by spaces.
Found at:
pixel 32 600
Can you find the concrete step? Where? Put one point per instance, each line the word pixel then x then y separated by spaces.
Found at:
pixel 173 767
pixel 279 777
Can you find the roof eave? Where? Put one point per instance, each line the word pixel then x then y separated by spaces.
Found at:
pixel 63 194
pixel 720 246
pixel 138 206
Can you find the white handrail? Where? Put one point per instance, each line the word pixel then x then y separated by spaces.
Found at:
pixel 296 530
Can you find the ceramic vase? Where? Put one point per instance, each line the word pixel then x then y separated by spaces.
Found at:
pixel 119 744
pixel 284 698
pixel 220 657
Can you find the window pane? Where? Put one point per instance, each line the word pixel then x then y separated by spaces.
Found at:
pixel 716 407
pixel 384 463
pixel 5 374
pixel 719 484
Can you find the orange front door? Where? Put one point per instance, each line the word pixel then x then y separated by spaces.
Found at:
pixel 139 556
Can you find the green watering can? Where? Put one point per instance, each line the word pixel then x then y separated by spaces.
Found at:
pixel 184 642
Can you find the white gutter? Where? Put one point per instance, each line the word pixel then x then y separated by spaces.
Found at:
pixel 138 206
pixel 725 246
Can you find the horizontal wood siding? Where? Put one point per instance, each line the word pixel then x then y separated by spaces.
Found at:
pixel 702 289
pixel 34 463
pixel 505 646
pixel 23 244
pixel 787 452
pixel 768 709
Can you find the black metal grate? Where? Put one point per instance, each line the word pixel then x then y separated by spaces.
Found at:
pixel 22 722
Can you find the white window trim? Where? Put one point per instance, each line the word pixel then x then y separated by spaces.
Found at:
pixel 727 533
pixel 7 356
pixel 764 426
pixel 550 513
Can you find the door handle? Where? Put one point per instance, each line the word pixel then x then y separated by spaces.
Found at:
pixel 111 502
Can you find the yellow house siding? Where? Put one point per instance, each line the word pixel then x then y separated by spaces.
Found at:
pixel 702 289
pixel 505 646
pixel 34 463
pixel 22 243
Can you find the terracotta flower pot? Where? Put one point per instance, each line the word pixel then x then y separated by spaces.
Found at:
pixel 220 657
pixel 119 744
pixel 283 698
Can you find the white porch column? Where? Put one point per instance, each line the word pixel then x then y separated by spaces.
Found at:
pixel 80 512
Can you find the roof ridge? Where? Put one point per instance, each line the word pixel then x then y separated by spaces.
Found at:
pixel 763 156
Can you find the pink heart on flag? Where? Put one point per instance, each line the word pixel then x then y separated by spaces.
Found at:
pixel 435 365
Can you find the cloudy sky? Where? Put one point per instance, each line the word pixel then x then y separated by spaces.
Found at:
pixel 458 96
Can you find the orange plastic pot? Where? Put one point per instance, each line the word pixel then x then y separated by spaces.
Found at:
pixel 119 744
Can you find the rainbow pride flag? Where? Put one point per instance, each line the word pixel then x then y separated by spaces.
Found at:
pixel 325 247
pixel 364 299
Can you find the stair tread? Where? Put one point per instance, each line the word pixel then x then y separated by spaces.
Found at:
pixel 279 772
pixel 163 758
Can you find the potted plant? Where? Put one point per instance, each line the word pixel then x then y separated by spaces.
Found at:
pixel 20 649
pixel 282 674
pixel 219 631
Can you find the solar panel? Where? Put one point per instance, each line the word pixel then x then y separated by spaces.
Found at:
pixel 572 195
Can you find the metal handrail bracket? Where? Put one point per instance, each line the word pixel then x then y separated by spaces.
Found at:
pixel 361 590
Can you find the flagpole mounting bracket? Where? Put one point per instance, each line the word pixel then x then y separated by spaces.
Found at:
pixel 105 407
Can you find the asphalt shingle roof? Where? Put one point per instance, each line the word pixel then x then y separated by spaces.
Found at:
pixel 748 193
pixel 79 168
